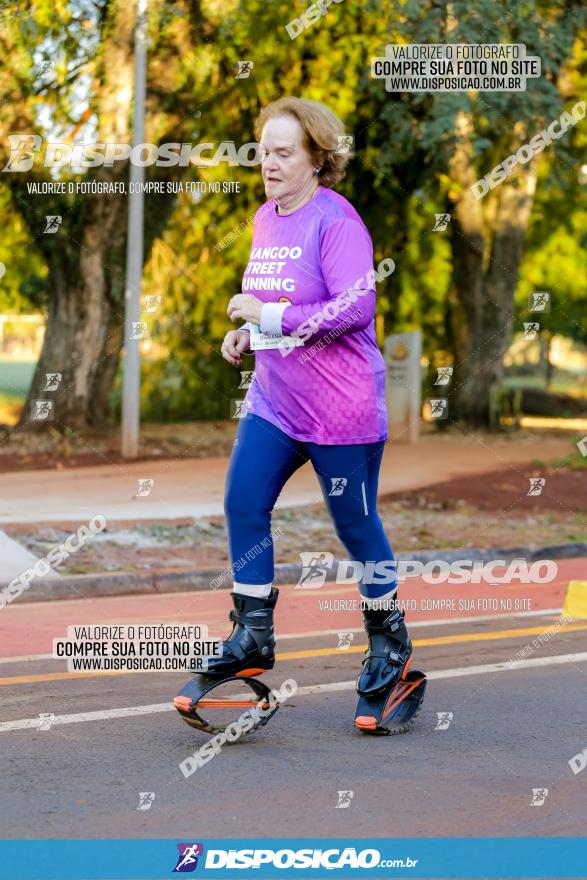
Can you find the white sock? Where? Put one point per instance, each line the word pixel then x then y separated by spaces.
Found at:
pixel 258 591
pixel 376 603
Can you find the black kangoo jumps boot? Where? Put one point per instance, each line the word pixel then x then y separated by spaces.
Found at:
pixel 249 650
pixel 389 654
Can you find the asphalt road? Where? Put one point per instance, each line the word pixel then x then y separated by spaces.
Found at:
pixel 512 731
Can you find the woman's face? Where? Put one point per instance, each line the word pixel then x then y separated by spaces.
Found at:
pixel 286 165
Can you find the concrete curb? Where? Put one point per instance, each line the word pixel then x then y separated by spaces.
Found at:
pixel 90 586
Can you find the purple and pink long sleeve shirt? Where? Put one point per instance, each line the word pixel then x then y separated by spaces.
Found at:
pixel 331 390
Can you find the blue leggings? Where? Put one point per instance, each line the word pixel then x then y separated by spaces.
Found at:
pixel 262 461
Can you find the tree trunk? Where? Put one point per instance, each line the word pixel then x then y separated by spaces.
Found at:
pixel 487 240
pixel 86 257
pixel 85 319
pixel 84 326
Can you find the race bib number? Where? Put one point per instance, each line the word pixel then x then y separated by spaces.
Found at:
pixel 267 340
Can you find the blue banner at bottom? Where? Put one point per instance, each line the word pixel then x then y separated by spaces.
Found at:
pixel 225 859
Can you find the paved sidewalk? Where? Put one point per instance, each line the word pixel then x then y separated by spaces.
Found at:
pixel 195 487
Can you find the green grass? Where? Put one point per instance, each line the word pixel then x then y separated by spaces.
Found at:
pixel 15 377
pixel 573 462
pixel 15 380
pixel 564 385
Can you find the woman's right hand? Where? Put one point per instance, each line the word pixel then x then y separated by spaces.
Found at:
pixel 236 342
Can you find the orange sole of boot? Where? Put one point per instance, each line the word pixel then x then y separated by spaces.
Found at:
pixel 366 722
pixel 182 703
pixel 369 722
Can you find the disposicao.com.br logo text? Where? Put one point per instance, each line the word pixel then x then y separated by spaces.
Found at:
pixel 329 859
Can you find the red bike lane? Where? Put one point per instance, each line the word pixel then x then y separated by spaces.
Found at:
pixel 28 629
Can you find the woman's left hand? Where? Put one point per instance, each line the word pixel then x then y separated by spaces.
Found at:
pixel 245 306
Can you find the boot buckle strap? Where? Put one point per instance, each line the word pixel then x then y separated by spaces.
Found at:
pixel 394 657
pixel 235 649
pixel 389 657
pixel 373 628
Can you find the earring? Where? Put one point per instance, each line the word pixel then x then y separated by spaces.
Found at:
pixel 316 171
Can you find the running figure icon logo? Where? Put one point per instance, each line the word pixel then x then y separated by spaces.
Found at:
pixel 438 407
pixel 188 857
pixel 145 487
pixel 23 148
pixel 444 719
pixel 152 302
pixel 146 799
pixel 338 484
pixel 441 222
pixel 344 799
pixel 52 222
pixel 344 640
pixel 346 143
pixel 52 381
pixel 444 375
pixel 537 484
pixel 46 719
pixel 138 330
pixel 239 408
pixel 315 565
pixel 243 69
pixel 539 301
pixel 531 330
pixel 41 410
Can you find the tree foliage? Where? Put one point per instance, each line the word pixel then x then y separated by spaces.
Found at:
pixel 403 174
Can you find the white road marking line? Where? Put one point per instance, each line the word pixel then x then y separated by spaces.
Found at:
pixel 447 621
pixel 413 624
pixel 28 723
pixel 27 658
pixel 104 714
